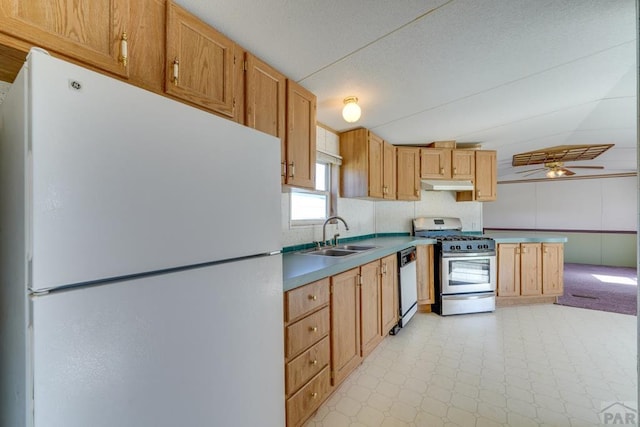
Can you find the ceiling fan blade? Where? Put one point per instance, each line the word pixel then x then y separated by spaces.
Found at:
pixel 532 170
pixel 567 172
pixel 587 167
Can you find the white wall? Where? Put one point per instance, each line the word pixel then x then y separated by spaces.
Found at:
pixel 587 204
pixel 368 217
pixel 597 216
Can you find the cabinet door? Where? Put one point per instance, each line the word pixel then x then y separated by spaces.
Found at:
pixel 463 164
pixel 345 324
pixel 531 269
pixel 301 136
pixel 435 163
pixel 389 293
pixel 508 269
pixel 552 268
pixel 408 173
pixel 370 299
pixel 486 176
pixel 265 91
pixel 201 63
pixel 376 164
pixel 90 31
pixel 389 171
pixel 146 46
pixel 424 274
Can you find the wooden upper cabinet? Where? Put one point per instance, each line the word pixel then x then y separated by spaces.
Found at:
pixel 485 181
pixel 388 171
pixel 299 157
pixel 146 50
pixel 265 97
pixel 90 31
pixel 368 165
pixel 408 170
pixel 486 176
pixel 202 64
pixel 376 165
pixel 463 164
pixel 435 163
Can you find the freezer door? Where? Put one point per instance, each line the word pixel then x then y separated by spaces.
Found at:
pixel 126 181
pixel 202 347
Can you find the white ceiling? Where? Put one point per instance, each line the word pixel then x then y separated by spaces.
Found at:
pixel 513 75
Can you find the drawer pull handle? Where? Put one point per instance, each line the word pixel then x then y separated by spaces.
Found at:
pixel 313 297
pixel 314 395
pixel 313 329
pixel 314 362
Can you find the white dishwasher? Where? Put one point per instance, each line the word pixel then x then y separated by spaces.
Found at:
pixel 407 282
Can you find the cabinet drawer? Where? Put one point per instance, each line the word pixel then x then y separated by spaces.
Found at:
pixel 306 332
pixel 308 399
pixel 305 366
pixel 305 299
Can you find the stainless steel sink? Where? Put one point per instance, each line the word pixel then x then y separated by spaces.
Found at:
pixel 331 252
pixel 341 250
pixel 357 248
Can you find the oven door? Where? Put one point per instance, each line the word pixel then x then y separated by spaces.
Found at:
pixel 465 273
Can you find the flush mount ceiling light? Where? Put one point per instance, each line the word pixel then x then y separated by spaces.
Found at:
pixel 351 110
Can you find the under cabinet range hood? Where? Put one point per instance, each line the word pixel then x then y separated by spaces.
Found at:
pixel 446 185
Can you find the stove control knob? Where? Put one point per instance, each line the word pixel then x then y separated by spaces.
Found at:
pixel 469 247
pixel 458 247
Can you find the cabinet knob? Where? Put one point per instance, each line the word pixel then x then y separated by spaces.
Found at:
pixel 313 329
pixel 441 171
pixel 313 395
pixel 314 362
pixel 313 297
pixel 293 170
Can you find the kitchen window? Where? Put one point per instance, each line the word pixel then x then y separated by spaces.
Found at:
pixel 309 207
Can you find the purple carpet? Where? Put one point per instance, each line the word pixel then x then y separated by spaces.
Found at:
pixel 599 287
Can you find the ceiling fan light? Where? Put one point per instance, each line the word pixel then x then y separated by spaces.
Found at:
pixel 351 111
pixel 551 174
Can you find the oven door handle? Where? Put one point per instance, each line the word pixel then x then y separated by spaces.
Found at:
pixel 469 296
pixel 469 255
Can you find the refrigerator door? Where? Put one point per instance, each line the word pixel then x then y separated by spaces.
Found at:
pixel 125 181
pixel 202 347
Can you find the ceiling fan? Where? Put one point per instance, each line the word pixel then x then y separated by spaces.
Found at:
pixel 553 159
pixel 557 169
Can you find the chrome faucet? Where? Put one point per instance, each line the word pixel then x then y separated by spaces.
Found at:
pixel 324 229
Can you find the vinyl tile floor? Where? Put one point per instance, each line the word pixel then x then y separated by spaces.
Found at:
pixel 535 365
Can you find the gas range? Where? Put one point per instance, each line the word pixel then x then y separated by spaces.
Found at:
pixel 449 236
pixel 464 266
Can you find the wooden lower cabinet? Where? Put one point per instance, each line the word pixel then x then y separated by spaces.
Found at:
pixel 308 398
pixel 552 268
pixel 529 270
pixel 330 326
pixel 424 273
pixel 307 350
pixel 370 307
pixel 389 292
pixel 345 324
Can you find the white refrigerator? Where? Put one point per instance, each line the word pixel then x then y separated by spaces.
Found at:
pixel 140 265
